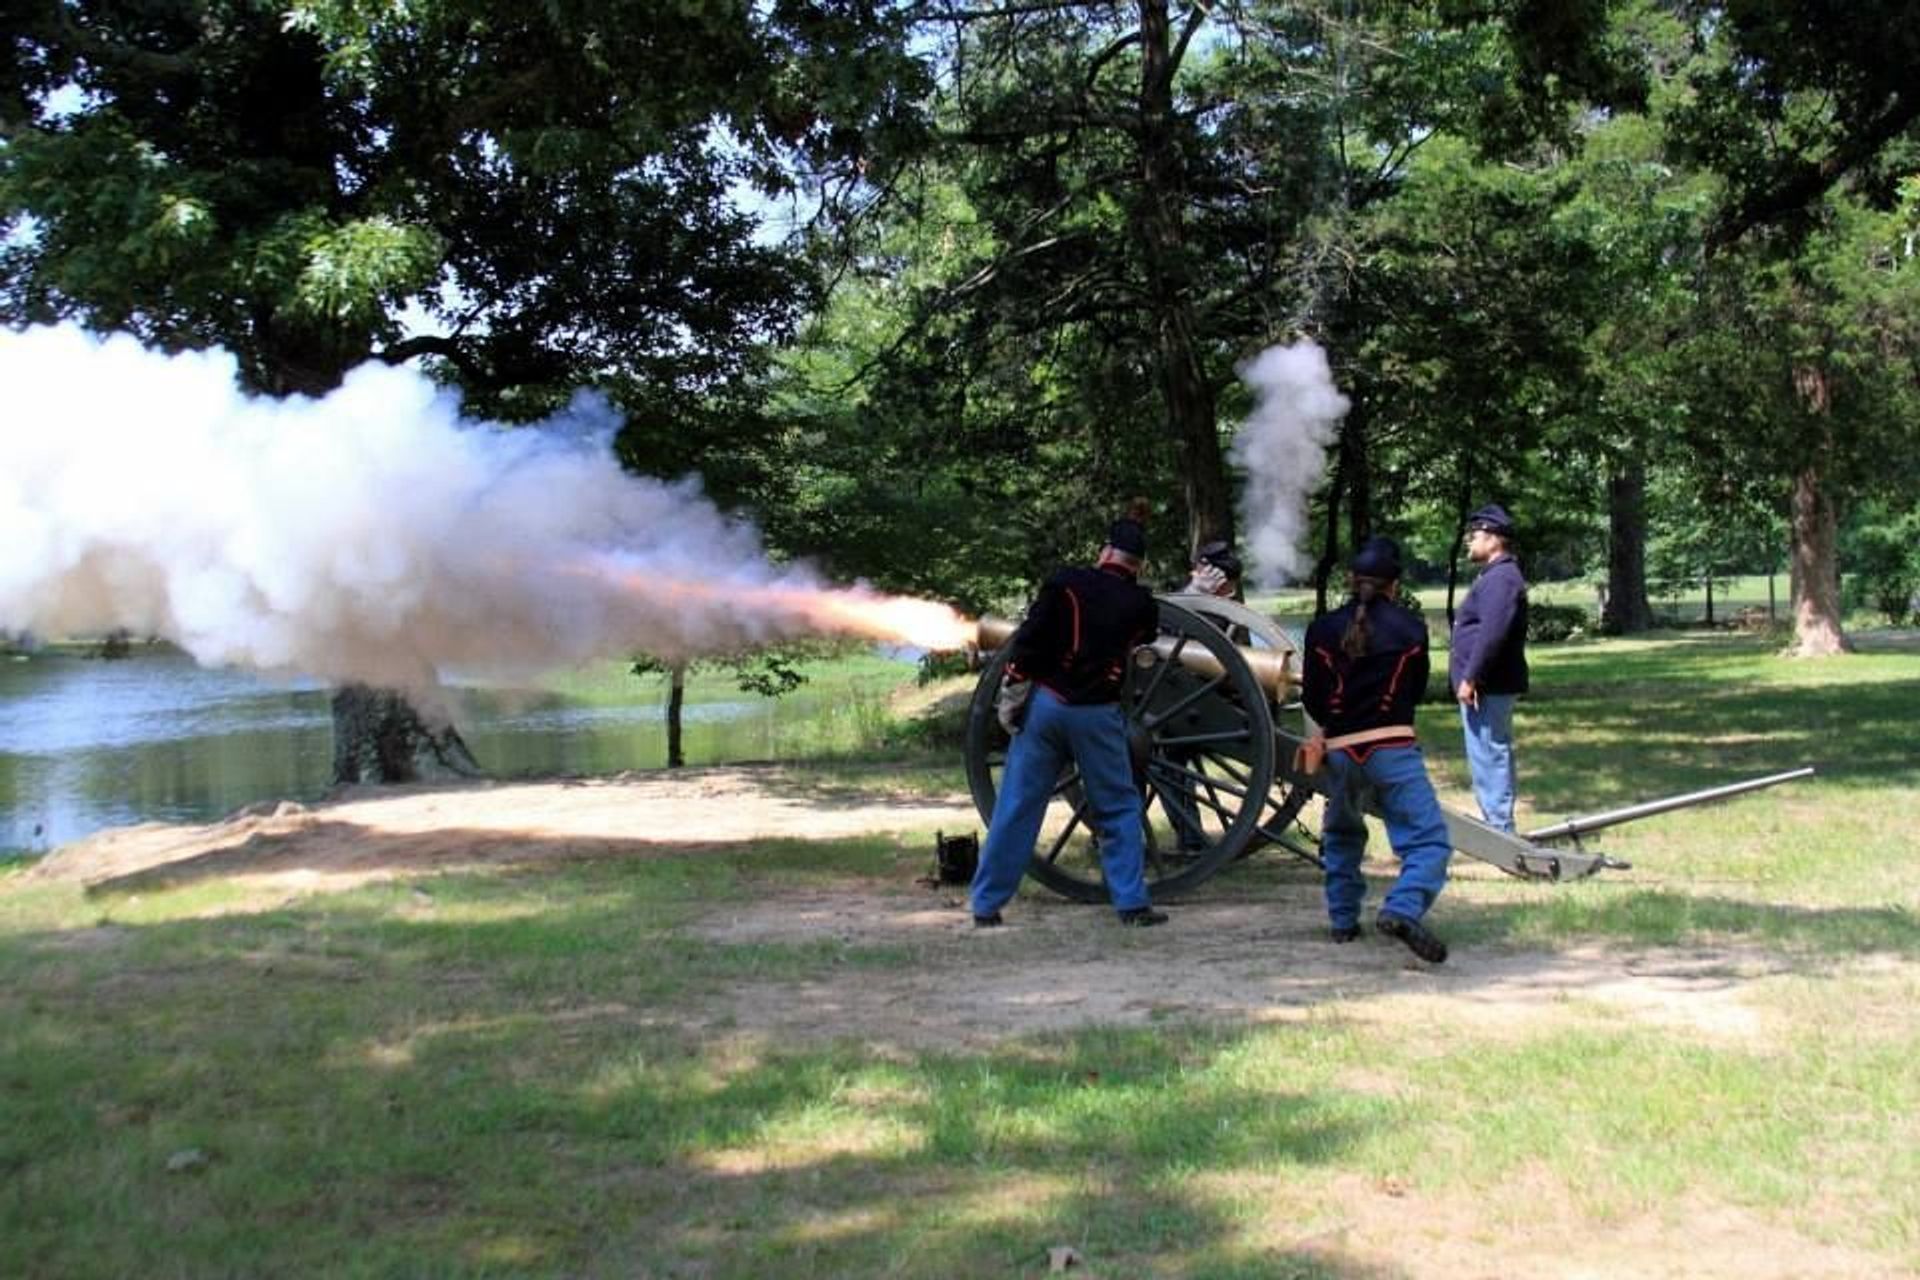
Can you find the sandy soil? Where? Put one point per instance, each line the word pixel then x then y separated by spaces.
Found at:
pixel 1241 952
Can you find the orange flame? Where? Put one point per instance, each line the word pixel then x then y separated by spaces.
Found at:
pixel 926 624
pixel 907 620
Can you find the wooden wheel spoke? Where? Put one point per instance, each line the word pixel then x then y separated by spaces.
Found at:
pixel 1066 833
pixel 1166 768
pixel 1205 739
pixel 1153 685
pixel 1229 766
pixel 1187 699
pixel 1211 799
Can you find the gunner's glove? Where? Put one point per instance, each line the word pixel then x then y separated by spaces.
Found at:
pixel 1309 756
pixel 1207 581
pixel 1011 703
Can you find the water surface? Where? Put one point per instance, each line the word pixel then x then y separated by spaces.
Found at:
pixel 87 743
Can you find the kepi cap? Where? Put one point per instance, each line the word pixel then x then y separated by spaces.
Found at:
pixel 1221 556
pixel 1377 558
pixel 1128 535
pixel 1493 518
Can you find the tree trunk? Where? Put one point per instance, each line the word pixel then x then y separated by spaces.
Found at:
pixel 1626 610
pixel 1815 570
pixel 379 737
pixel 1463 505
pixel 1815 554
pixel 1353 462
pixel 1187 391
pixel 676 703
pixel 1329 562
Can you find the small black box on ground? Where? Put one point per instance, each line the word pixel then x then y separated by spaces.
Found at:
pixel 955 858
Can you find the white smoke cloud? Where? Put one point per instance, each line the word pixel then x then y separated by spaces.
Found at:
pixel 1282 447
pixel 368 536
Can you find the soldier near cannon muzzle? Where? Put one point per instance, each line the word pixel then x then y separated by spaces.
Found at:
pixel 1366 668
pixel 1061 700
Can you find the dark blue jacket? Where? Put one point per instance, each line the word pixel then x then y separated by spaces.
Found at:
pixel 1490 632
pixel 1379 688
pixel 1078 635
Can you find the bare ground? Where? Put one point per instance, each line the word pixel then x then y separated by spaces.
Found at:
pixel 1238 953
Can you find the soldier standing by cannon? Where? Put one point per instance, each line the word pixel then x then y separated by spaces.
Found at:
pixel 1060 699
pixel 1487 661
pixel 1366 668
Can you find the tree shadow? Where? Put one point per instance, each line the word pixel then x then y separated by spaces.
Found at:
pixel 1657 917
pixel 497 1096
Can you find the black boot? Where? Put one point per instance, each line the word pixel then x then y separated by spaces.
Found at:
pixel 1420 940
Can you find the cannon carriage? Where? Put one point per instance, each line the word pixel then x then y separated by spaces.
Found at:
pixel 1214 719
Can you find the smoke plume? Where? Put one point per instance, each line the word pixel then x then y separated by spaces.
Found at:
pixel 368 536
pixel 1282 448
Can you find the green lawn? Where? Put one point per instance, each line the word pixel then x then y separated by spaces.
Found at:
pixel 515 1073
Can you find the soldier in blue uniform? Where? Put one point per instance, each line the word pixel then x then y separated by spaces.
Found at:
pixel 1365 669
pixel 1487 665
pixel 1066 669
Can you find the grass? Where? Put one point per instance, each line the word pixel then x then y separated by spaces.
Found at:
pixel 529 1073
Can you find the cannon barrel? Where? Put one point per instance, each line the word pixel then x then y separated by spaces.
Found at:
pixel 1575 827
pixel 1272 669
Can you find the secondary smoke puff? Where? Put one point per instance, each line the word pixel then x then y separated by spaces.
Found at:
pixel 1282 447
pixel 368 536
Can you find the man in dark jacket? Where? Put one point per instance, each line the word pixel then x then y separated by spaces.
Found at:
pixel 1365 669
pixel 1066 669
pixel 1488 664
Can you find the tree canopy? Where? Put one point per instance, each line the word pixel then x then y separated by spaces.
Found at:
pixel 1551 249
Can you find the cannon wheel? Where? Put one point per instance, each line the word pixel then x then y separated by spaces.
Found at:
pixel 1203 750
pixel 1286 799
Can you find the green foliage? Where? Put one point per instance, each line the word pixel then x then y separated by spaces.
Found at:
pixel 770 673
pixel 1549 623
pixel 1882 558
pixel 548 184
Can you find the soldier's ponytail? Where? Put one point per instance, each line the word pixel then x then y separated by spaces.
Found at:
pixel 1359 633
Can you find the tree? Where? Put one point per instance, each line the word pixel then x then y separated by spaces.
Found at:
pixel 1153 193
pixel 1808 112
pixel 1789 99
pixel 548 184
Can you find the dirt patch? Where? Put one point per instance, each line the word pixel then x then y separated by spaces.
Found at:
pixel 370 834
pixel 1242 952
pixel 1257 957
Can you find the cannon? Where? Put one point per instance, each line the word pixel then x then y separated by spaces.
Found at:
pixel 1214 718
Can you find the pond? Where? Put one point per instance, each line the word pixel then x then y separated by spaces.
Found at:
pixel 87 743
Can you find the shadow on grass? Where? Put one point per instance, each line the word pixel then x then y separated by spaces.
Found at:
pixel 385 1095
pixel 1651 741
pixel 1654 917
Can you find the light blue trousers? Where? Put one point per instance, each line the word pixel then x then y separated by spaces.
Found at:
pixel 1490 756
pixel 1095 738
pixel 1397 779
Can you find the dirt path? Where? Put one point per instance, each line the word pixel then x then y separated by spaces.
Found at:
pixel 1237 951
